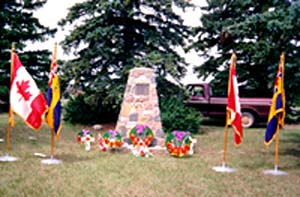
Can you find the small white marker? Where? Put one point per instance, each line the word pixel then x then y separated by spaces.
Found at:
pixel 32 138
pixel 40 155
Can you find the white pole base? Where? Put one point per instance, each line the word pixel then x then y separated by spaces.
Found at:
pixel 275 172
pixel 223 168
pixel 8 158
pixel 51 161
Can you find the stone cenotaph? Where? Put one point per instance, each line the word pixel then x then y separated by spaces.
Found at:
pixel 140 104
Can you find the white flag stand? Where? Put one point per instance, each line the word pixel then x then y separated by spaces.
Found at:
pixel 8 158
pixel 223 168
pixel 275 171
pixel 51 160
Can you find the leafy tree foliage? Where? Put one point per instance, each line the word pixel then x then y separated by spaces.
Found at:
pixel 112 37
pixel 18 25
pixel 259 31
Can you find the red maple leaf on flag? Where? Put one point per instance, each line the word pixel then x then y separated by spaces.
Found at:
pixel 23 89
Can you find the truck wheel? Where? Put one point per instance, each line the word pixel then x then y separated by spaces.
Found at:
pixel 248 119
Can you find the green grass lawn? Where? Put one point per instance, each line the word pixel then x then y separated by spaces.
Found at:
pixel 96 173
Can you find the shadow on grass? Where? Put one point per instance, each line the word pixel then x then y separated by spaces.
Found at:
pixel 294 140
pixel 257 164
pixel 72 158
pixel 292 151
pixel 266 161
pixel 291 138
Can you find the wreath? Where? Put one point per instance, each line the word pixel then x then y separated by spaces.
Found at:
pixel 180 143
pixel 141 132
pixel 112 139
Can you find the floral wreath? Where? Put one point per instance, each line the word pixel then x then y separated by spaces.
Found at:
pixel 112 139
pixel 180 143
pixel 141 132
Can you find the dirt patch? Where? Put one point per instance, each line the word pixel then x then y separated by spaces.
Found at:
pixel 108 126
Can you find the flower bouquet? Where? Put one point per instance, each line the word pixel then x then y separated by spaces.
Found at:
pixel 85 137
pixel 180 143
pixel 141 136
pixel 111 139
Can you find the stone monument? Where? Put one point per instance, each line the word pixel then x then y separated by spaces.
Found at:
pixel 140 104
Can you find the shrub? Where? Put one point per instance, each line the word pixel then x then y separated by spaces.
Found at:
pixel 176 116
pixel 82 109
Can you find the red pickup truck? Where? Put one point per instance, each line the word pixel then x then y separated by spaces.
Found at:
pixel 254 110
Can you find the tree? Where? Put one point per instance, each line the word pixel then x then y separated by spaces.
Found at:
pixel 258 31
pixel 18 25
pixel 112 37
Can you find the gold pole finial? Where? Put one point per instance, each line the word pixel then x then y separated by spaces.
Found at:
pixel 13 47
pixel 282 58
pixel 233 58
pixel 55 49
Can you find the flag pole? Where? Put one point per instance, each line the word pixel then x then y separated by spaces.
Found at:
pixel 52 160
pixel 278 111
pixel 231 87
pixel 225 141
pixel 232 61
pixel 7 157
pixel 52 143
pixel 276 160
pixel 279 118
pixel 10 112
pixel 8 133
pixel 52 129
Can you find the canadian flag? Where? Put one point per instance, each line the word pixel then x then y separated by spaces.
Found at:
pixel 233 105
pixel 26 99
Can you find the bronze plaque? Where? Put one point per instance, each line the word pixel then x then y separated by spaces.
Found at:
pixel 142 89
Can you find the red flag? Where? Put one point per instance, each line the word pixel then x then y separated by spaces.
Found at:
pixel 26 99
pixel 233 105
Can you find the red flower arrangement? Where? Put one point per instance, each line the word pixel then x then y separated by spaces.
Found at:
pixel 85 137
pixel 113 139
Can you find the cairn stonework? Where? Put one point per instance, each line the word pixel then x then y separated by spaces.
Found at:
pixel 140 103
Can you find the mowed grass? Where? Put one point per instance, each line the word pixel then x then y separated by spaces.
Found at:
pixel 120 173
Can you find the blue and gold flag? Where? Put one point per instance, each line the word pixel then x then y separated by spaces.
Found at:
pixel 277 110
pixel 53 98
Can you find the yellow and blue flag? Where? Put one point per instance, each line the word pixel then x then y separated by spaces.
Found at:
pixel 53 117
pixel 277 110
